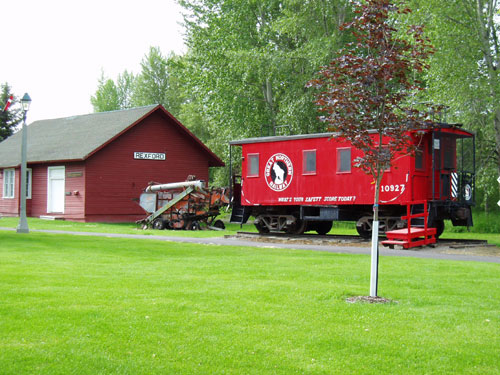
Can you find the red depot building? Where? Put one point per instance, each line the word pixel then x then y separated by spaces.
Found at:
pixel 94 167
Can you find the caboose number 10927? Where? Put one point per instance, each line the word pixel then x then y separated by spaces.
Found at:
pixel 305 182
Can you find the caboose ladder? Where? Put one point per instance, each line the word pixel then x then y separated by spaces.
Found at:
pixel 239 215
pixel 413 235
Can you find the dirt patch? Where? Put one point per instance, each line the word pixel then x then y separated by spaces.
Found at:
pixel 369 299
pixel 481 250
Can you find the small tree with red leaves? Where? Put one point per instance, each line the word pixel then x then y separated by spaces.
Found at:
pixel 366 93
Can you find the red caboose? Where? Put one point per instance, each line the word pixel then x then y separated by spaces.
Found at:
pixel 305 182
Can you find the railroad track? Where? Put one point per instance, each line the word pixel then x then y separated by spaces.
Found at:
pixel 455 243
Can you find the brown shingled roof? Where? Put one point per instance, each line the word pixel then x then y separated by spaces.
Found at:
pixel 78 137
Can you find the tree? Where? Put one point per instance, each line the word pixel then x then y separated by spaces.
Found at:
pixel 106 96
pixel 464 74
pixel 367 92
pixel 248 63
pixel 12 117
pixel 155 84
pixel 125 86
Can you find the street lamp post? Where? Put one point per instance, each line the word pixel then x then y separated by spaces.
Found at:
pixel 23 223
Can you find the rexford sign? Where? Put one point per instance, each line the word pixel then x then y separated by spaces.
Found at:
pixel 149 155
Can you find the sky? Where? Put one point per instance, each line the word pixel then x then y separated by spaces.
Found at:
pixel 56 50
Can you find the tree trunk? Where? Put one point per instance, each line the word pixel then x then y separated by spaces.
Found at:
pixel 267 90
pixel 375 249
pixel 497 138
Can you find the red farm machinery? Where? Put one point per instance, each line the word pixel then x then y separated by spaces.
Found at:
pixel 185 205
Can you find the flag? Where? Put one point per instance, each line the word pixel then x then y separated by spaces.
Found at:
pixel 9 102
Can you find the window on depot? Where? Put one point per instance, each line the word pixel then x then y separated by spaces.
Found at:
pixel 344 160
pixel 8 183
pixel 309 162
pixel 253 165
pixel 28 183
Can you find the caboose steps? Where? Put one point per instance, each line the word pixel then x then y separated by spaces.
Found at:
pixel 414 232
pixel 239 215
pixel 412 236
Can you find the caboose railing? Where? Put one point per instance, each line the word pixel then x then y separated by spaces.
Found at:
pixel 410 216
pixel 412 236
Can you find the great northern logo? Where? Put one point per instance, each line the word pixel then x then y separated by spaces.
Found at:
pixel 279 172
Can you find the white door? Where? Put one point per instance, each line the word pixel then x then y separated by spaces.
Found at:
pixel 55 189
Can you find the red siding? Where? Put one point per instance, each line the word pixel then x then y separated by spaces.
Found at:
pixel 326 186
pixel 74 181
pixel 114 180
pixel 110 181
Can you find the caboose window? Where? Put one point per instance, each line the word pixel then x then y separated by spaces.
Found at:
pixel 448 153
pixel 419 158
pixel 309 162
pixel 253 165
pixel 343 160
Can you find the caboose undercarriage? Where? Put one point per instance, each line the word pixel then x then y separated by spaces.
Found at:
pixel 299 219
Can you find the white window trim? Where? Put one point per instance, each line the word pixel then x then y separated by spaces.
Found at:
pixel 339 161
pixel 305 172
pixel 249 167
pixel 29 179
pixel 5 188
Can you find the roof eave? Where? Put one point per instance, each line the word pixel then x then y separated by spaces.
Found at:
pixel 53 161
pixel 215 161
pixel 120 133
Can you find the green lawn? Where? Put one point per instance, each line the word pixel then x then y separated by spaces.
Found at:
pixel 121 228
pixel 132 228
pixel 113 306
pixel 231 229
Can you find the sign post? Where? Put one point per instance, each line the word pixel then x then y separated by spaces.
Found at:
pixel 498 180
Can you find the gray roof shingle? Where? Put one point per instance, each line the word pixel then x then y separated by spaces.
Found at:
pixel 73 138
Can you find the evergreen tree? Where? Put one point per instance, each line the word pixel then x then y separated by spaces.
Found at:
pixel 12 117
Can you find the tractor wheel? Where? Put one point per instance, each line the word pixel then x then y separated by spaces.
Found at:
pixel 219 224
pixel 193 225
pixel 158 224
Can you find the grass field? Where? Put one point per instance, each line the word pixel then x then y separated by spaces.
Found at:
pixel 121 228
pixel 115 306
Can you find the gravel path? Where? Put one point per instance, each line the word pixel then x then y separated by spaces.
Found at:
pixel 478 254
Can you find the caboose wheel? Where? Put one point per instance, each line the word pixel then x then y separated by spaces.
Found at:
pixel 158 224
pixel 261 227
pixel 439 225
pixel 323 227
pixel 298 227
pixel 364 227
